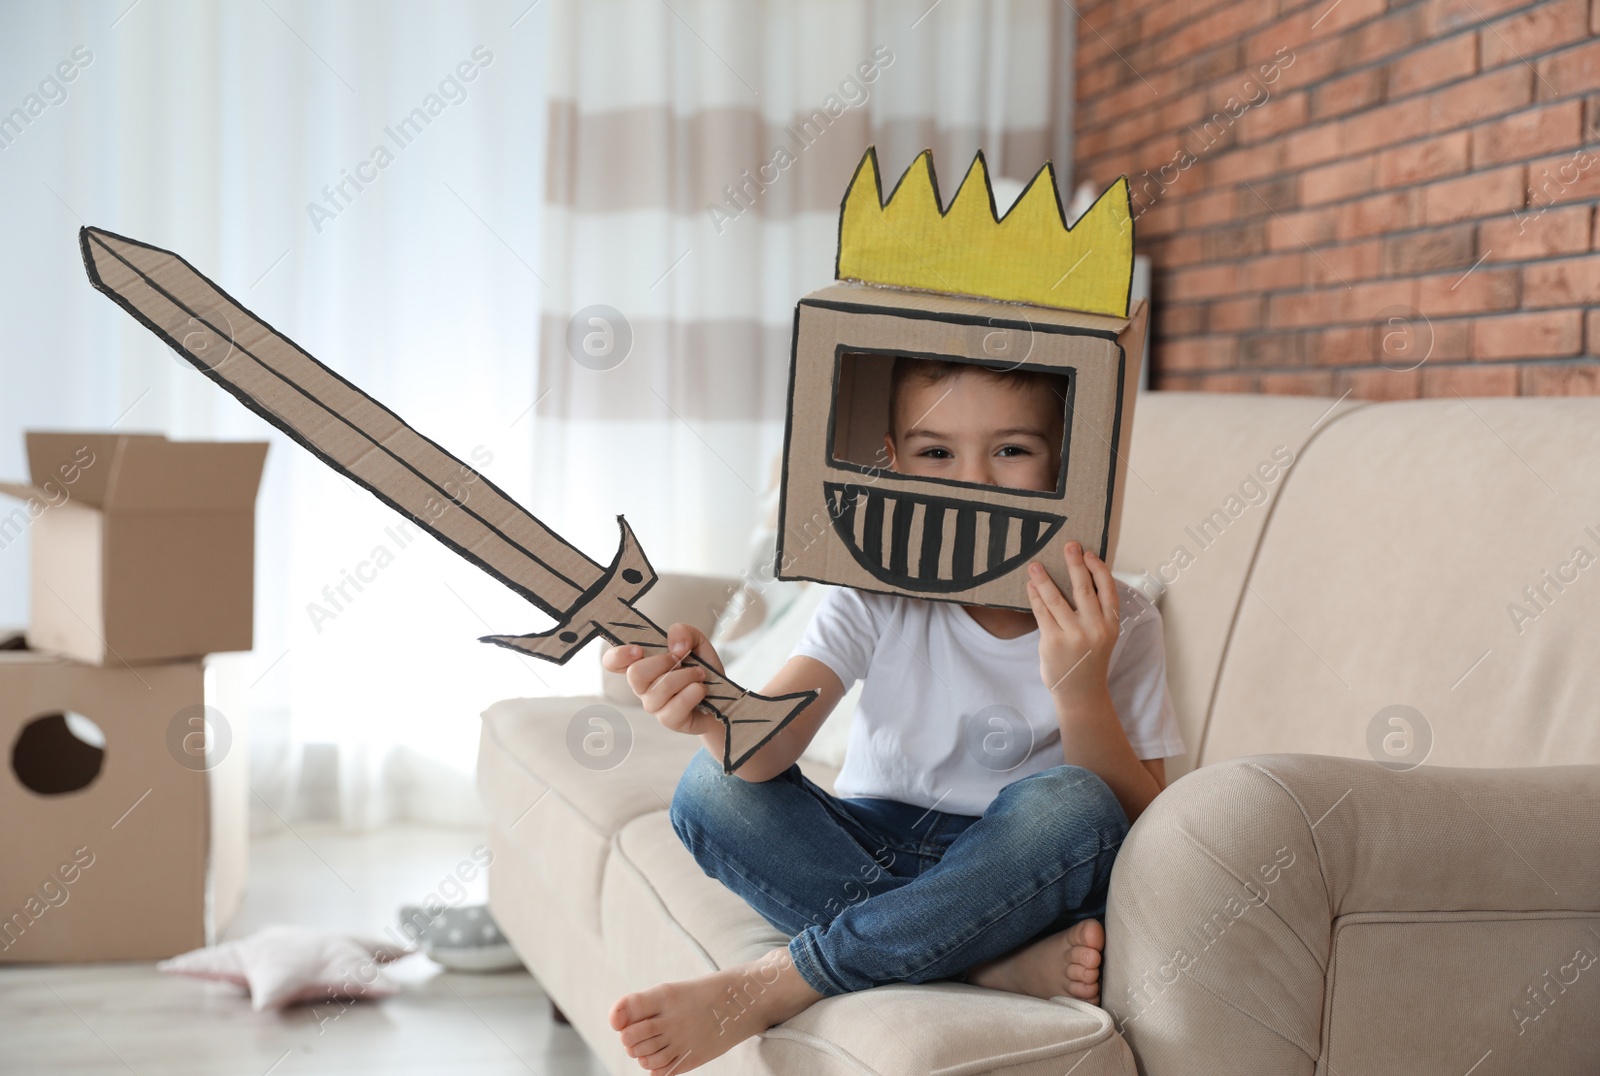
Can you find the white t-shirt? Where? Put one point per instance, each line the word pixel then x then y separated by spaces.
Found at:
pixel 950 714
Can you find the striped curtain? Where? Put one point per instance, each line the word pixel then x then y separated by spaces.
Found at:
pixel 698 151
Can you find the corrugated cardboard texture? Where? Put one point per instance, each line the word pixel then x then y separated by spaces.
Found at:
pixel 855 524
pixel 117 869
pixel 147 549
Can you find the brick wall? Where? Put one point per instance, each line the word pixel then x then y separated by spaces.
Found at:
pixel 1396 200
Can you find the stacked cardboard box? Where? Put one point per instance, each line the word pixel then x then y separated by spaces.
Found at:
pixel 122 790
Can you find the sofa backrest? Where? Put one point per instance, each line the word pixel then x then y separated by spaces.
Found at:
pixel 1424 570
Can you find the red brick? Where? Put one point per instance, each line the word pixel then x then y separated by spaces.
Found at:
pixel 1591 330
pixel 1274 272
pixel 1429 251
pixel 1235 242
pixel 1475 292
pixel 1194 353
pixel 1204 210
pixel 1346 263
pixel 1570 282
pixel 1359 304
pixel 1204 282
pixel 1390 212
pixel 1379 383
pixel 1099 78
pixel 1241 165
pixel 1560 379
pixel 1234 315
pixel 1345 345
pixel 1313 145
pixel 1204 382
pixel 1446 15
pixel 1349 93
pixel 1542 28
pixel 1440 381
pixel 1399 122
pixel 1180 319
pixel 1268 196
pixel 1551 334
pixel 1272 349
pixel 1417 162
pixel 1481 194
pixel 1310 383
pixel 1274 117
pixel 1573 71
pixel 1329 18
pixel 1399 31
pixel 1297 309
pixel 1494 94
pixel 1177 250
pixel 1337 182
pixel 1527 134
pixel 1309 64
pixel 1306 228
pixel 1536 234
pixel 1570 177
pixel 1227 22
pixel 1444 61
pixel 1452 339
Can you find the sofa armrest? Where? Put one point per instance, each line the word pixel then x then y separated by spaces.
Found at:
pixel 676 596
pixel 1228 892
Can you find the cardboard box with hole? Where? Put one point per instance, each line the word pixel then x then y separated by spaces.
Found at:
pixel 961 285
pixel 114 846
pixel 143 548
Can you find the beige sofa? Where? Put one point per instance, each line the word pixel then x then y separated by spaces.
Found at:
pixel 1289 904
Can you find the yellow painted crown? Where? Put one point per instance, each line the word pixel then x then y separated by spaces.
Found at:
pixel 1029 256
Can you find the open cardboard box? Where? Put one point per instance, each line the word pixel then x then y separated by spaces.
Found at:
pixel 143 548
pixel 125 832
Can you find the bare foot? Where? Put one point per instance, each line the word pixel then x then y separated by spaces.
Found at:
pixel 674 1027
pixel 1067 963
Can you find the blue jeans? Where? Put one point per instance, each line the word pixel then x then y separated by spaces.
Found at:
pixel 876 891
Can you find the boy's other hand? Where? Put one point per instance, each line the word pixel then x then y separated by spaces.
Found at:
pixel 1075 644
pixel 668 689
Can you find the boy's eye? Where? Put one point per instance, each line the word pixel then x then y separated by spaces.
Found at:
pixel 935 453
pixel 1014 450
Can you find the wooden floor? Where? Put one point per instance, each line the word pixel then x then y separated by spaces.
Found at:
pixel 76 1020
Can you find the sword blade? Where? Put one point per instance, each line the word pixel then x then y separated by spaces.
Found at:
pixel 343 426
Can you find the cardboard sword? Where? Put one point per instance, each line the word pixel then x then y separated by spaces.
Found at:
pixel 365 441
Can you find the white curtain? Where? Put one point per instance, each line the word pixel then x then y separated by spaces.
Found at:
pixel 213 129
pixel 669 202
pixel 444 283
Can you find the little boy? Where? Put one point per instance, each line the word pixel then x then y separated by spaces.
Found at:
pixel 996 761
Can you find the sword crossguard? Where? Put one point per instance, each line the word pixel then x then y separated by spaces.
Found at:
pixel 606 610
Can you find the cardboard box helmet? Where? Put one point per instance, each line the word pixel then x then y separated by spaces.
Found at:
pixel 960 284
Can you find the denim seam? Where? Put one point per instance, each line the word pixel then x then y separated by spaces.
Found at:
pixel 985 926
pixel 813 960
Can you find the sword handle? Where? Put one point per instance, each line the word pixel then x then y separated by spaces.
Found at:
pixel 607 610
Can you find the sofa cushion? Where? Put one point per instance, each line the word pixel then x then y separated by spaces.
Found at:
pixel 663 920
pixel 1399 553
pixel 1195 509
pixel 557 810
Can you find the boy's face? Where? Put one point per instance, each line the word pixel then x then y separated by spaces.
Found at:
pixel 974 428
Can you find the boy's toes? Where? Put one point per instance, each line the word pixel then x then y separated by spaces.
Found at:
pixel 1084 956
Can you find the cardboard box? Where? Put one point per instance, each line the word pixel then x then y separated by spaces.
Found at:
pixel 844 517
pixel 143 548
pixel 105 850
